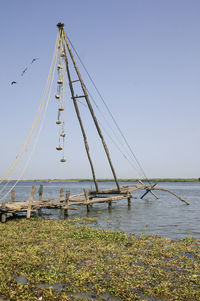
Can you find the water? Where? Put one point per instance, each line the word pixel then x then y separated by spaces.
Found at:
pixel 166 217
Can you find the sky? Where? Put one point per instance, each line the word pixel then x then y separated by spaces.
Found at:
pixel 144 57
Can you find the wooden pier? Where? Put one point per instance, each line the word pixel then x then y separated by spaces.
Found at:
pixel 67 202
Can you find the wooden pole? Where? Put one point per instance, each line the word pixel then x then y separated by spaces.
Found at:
pixel 167 190
pixel 154 194
pixel 28 213
pixel 87 199
pixel 80 121
pixel 148 190
pixel 3 217
pixel 40 192
pixel 62 198
pixel 91 110
pixel 12 195
pixel 67 195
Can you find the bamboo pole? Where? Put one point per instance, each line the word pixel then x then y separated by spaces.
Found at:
pixel 80 121
pixel 148 189
pixel 154 194
pixel 91 110
pixel 105 200
pixel 167 190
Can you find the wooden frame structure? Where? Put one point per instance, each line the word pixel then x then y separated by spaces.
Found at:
pixel 65 201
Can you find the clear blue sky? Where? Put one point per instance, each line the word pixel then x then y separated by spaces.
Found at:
pixel 144 57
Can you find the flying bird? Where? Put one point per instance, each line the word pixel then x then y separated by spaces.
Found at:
pixel 24 71
pixel 35 59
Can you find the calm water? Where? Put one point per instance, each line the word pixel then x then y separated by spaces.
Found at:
pixel 166 217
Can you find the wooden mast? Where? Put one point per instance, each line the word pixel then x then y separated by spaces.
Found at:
pixel 61 27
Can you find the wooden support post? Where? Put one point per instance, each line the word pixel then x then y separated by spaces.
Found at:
pixel 109 205
pixel 40 192
pixel 28 213
pixel 12 195
pixel 87 199
pixel 62 197
pixel 3 217
pixel 80 121
pixel 129 201
pixel 67 195
pixel 91 110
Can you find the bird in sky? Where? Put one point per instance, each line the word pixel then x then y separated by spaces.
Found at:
pixel 35 59
pixel 24 71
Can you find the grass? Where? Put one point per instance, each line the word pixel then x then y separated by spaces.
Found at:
pixel 43 259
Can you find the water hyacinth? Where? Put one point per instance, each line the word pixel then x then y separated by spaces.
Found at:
pixel 44 259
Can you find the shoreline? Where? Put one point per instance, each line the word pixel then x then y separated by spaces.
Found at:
pixel 191 180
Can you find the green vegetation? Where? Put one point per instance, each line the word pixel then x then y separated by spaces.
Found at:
pixel 68 260
pixel 112 180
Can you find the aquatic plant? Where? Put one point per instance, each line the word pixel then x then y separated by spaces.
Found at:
pixel 43 259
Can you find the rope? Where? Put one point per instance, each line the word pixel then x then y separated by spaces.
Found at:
pixel 47 90
pixel 122 145
pixel 31 132
pixel 112 117
pixel 113 141
pixel 37 138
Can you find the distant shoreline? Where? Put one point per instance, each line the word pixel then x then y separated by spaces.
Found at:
pixel 112 180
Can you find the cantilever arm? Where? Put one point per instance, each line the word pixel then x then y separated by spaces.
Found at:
pixel 178 197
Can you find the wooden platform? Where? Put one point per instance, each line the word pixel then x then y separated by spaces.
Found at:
pixel 67 202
